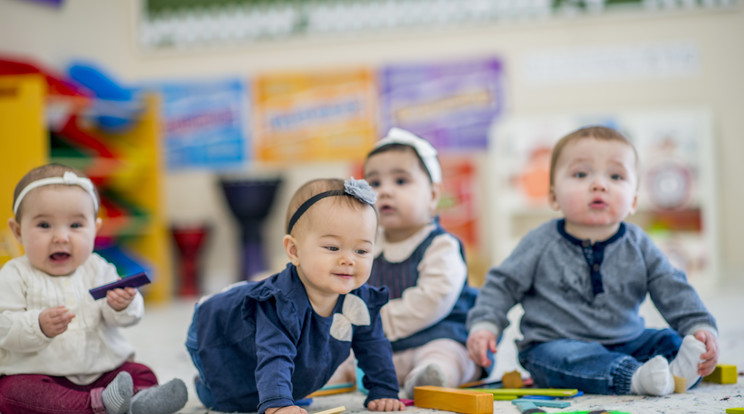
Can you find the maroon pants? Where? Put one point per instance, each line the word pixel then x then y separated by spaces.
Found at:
pixel 42 394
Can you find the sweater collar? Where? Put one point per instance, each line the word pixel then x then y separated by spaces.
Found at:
pixel 561 227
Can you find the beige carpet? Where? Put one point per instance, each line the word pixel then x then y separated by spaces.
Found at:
pixel 160 336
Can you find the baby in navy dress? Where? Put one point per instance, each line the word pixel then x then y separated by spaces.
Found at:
pixel 261 346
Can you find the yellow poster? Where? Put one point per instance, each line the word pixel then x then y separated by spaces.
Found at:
pixel 320 116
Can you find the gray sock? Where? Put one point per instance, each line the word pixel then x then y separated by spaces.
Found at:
pixel 118 394
pixel 161 399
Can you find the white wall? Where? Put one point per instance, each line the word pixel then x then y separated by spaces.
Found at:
pixel 104 30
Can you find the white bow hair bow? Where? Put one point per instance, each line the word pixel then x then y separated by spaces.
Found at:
pixel 353 312
pixel 68 178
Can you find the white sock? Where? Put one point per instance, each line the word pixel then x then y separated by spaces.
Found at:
pixel 653 378
pixel 118 394
pixel 685 365
pixel 430 374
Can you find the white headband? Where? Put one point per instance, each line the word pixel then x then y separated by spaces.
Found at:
pixel 69 178
pixel 423 148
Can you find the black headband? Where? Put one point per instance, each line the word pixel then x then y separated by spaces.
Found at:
pixel 308 203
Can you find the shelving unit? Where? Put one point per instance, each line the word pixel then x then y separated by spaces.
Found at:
pixel 677 187
pixel 24 145
pixel 126 167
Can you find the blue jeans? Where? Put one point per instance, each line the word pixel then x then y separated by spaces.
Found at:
pixel 204 394
pixel 595 368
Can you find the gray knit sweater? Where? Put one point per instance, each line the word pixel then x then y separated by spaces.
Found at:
pixel 571 289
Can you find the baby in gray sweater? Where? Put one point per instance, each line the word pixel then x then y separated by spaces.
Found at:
pixel 582 278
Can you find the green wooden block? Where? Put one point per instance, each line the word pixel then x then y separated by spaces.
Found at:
pixel 550 392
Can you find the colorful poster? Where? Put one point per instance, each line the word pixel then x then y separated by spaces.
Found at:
pixel 320 116
pixel 204 123
pixel 450 104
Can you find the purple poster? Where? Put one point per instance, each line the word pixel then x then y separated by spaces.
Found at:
pixel 451 104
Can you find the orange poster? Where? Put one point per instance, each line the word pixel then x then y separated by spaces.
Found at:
pixel 327 115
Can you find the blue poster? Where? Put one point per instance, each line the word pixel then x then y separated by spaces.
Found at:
pixel 205 123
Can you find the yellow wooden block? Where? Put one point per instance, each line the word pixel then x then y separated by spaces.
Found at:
pixel 723 374
pixel 735 410
pixel 453 399
pixel 336 410
pixel 512 379
pixel 680 385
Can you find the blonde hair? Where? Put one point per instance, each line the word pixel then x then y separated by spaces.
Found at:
pixel 45 171
pixel 601 133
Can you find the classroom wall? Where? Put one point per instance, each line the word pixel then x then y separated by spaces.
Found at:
pixel 105 31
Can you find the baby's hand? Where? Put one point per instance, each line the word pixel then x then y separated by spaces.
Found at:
pixel 54 321
pixel 119 299
pixel 286 410
pixel 479 343
pixel 710 356
pixel 386 404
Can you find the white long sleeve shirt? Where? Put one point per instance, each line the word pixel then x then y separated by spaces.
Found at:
pixel 442 273
pixel 92 343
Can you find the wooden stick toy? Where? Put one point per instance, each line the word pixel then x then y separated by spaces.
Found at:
pixel 334 389
pixel 527 407
pixel 551 392
pixel 453 399
pixel 336 410
pixel 544 403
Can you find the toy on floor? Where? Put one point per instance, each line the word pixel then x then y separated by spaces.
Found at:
pixel 453 399
pixel 723 374
pixel 336 410
pixel 334 389
pixel 136 280
pixel 543 403
pixel 527 407
pixel 490 383
pixel 735 410
pixel 512 379
pixel 550 392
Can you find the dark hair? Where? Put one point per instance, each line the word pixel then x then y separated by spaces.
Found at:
pixel 400 147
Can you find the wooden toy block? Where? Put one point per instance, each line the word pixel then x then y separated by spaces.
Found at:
pixel 527 407
pixel 453 399
pixel 735 410
pixel 336 410
pixel 680 385
pixel 600 411
pixel 723 374
pixel 512 379
pixel 333 389
pixel 544 403
pixel 550 392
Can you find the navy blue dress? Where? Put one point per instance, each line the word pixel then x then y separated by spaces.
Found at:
pixel 398 277
pixel 262 345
